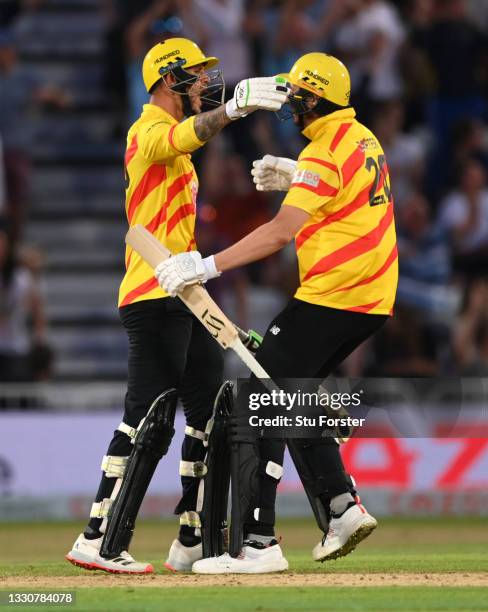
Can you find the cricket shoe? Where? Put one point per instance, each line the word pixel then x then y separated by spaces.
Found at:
pixel 181 558
pixel 345 532
pixel 86 554
pixel 255 558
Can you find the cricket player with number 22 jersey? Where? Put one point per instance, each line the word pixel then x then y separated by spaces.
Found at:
pixel 339 210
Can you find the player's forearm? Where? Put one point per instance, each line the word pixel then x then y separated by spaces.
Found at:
pixel 210 123
pixel 262 242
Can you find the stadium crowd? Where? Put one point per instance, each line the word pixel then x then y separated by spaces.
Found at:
pixel 420 81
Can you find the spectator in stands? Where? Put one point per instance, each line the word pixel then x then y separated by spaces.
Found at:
pixel 10 9
pixel 3 187
pixel 418 75
pixel 369 41
pixel 425 262
pixel 222 25
pixel 226 184
pixel 22 321
pixel 234 289
pixel 159 20
pixel 468 141
pixel 21 91
pixel 405 152
pixel 404 347
pixel 478 13
pixel 222 29
pixel 458 53
pixel 471 331
pixel 464 213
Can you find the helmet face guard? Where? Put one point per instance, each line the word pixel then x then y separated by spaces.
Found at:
pixel 184 80
pixel 296 105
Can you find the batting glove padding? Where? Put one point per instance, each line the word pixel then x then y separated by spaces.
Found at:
pixel 267 93
pixel 273 173
pixel 175 273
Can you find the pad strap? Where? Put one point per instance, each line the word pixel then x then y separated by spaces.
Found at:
pixel 194 469
pixel 114 467
pixel 272 469
pixel 101 509
pixel 128 430
pixel 190 518
pixel 195 433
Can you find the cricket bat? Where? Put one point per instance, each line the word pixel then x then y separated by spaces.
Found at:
pixel 197 299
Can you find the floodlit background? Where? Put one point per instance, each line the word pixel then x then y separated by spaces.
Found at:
pixel 70 86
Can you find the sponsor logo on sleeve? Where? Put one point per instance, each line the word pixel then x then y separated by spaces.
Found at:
pixel 306 177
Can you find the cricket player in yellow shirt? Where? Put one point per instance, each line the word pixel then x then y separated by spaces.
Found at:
pixel 168 348
pixel 339 210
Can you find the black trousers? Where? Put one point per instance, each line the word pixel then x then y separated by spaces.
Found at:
pixel 168 347
pixel 308 341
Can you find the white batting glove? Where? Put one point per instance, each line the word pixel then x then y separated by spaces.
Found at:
pixel 175 273
pixel 267 93
pixel 273 173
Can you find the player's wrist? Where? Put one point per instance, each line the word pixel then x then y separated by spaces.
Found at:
pixel 232 111
pixel 210 267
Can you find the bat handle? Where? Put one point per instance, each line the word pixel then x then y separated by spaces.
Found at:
pixel 248 359
pixel 250 339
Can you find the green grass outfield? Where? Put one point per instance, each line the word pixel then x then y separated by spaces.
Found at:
pixel 445 553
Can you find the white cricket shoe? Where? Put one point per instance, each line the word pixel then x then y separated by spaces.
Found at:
pixel 86 554
pixel 181 558
pixel 345 533
pixel 255 558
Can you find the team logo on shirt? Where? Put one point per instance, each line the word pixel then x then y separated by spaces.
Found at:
pixel 306 177
pixel 367 143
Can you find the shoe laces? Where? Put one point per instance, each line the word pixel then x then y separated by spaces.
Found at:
pixel 128 557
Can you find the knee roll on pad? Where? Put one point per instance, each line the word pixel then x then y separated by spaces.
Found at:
pixel 151 440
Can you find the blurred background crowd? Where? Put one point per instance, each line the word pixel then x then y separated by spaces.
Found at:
pixel 70 86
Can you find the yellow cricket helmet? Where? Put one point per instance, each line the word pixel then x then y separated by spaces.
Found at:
pixel 172 51
pixel 323 75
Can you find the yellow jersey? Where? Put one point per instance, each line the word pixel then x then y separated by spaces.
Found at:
pixel 161 193
pixel 347 250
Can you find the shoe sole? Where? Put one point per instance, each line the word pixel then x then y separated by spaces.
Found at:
pixel 354 539
pixel 95 566
pixel 174 570
pixel 170 568
pixel 264 570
